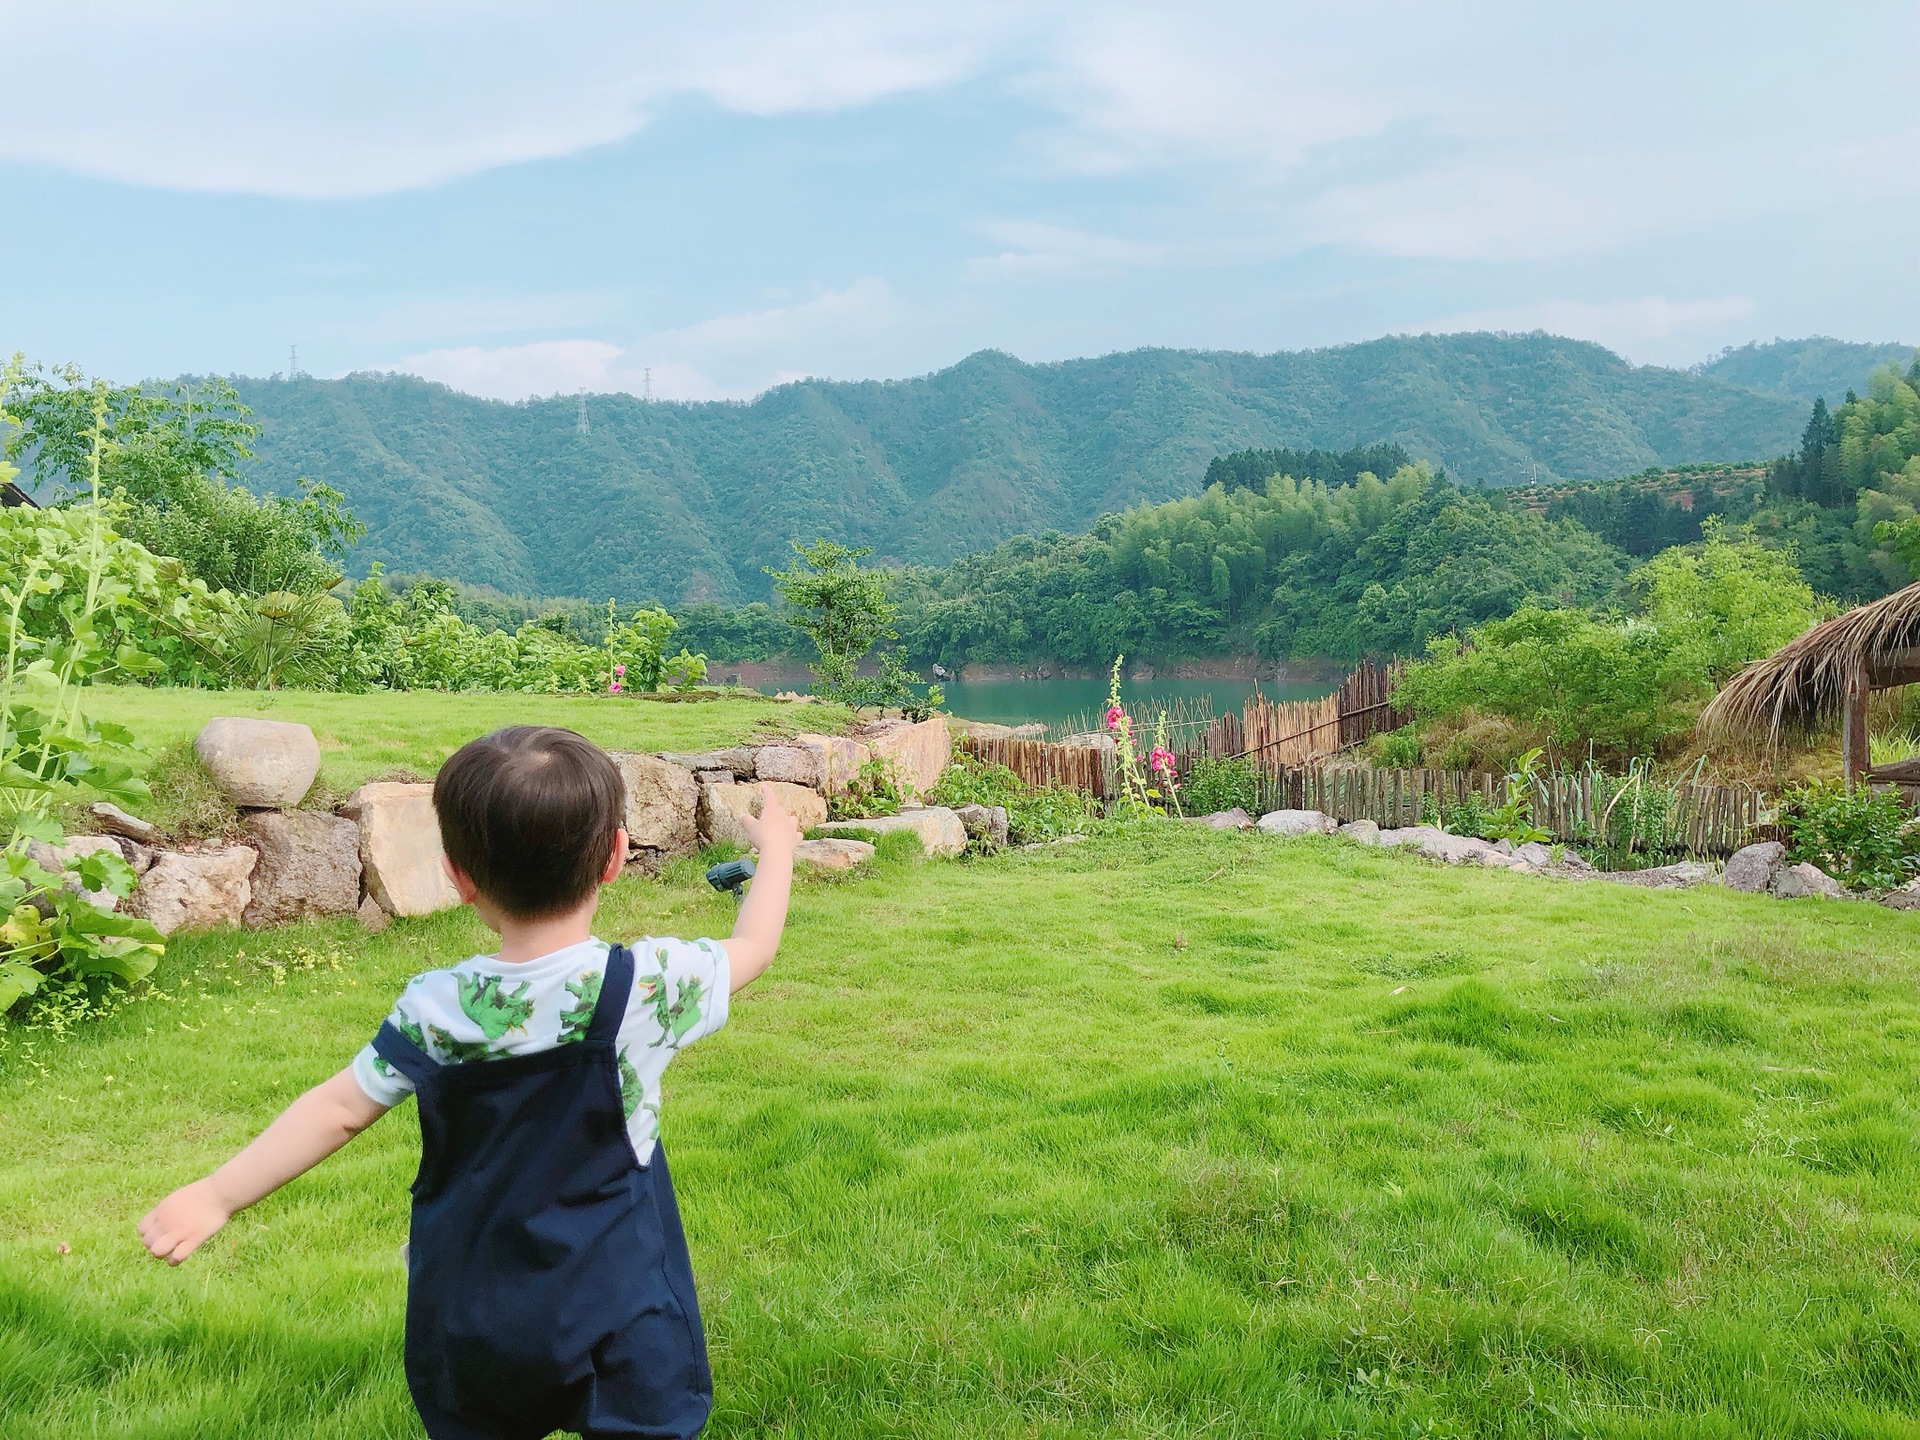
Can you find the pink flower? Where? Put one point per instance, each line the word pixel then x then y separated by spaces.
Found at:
pixel 1161 760
pixel 620 670
pixel 613 687
pixel 1114 717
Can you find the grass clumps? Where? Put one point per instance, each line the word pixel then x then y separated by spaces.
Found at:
pixel 1034 813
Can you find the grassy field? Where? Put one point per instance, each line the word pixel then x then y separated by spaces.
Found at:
pixel 1169 1133
pixel 362 736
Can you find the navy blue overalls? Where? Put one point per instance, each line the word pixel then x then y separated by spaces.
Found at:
pixel 548 1285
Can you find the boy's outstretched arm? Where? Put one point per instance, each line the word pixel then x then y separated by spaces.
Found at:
pixel 309 1130
pixel 763 914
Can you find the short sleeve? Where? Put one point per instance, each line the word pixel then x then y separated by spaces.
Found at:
pixel 679 991
pixel 383 1084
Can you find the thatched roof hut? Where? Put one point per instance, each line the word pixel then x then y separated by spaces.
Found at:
pixel 1828 671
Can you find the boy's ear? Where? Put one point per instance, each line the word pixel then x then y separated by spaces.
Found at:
pixel 462 882
pixel 617 861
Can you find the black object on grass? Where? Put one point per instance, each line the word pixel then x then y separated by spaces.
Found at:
pixel 731 874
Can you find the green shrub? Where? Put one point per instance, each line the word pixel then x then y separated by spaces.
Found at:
pixel 1396 749
pixel 1864 838
pixel 1033 813
pixel 1213 785
pixel 874 790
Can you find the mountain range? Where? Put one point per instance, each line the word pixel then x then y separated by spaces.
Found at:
pixel 682 502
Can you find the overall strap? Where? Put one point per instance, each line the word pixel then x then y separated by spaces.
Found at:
pixel 402 1054
pixel 615 987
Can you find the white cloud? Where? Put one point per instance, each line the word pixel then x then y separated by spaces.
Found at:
pixel 729 357
pixel 365 98
pixel 1051 250
pixel 1633 328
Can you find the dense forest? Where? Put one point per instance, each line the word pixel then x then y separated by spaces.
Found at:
pixel 1806 369
pixel 688 503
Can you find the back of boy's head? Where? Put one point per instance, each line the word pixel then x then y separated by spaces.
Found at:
pixel 529 813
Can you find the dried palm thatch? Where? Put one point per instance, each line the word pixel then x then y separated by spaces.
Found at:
pixel 1825 672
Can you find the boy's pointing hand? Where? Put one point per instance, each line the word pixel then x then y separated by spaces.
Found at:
pixel 773 830
pixel 178 1225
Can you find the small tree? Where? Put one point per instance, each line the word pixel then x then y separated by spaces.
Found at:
pixel 843 607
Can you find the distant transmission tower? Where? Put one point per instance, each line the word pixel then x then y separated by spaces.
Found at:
pixel 580 425
pixel 293 362
pixel 646 383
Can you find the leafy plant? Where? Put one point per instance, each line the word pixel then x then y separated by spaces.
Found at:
pixel 1214 785
pixel 51 752
pixel 1396 749
pixel 1145 788
pixel 892 689
pixel 873 790
pixel 1034 813
pixel 1466 816
pixel 841 606
pixel 1512 819
pixel 1865 838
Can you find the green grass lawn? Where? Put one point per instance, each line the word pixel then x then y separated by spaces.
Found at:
pixel 367 735
pixel 1174 1133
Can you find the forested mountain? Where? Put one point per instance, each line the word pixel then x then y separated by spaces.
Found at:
pixel 1818 367
pixel 684 503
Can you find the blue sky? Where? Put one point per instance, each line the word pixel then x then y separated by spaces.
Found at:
pixel 523 199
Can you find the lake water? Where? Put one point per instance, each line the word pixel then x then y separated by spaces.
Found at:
pixel 1060 702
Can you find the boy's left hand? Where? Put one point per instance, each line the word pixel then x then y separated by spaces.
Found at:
pixel 773 831
pixel 179 1224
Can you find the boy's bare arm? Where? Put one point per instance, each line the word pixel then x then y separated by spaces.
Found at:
pixel 763 914
pixel 307 1131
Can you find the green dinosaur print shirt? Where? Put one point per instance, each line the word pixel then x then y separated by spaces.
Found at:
pixel 483 1007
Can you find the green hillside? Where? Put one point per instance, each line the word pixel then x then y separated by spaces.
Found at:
pixel 1818 367
pixel 685 503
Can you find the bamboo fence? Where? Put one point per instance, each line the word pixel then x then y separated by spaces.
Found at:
pixel 1037 762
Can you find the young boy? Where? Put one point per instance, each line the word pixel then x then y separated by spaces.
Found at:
pixel 548 1285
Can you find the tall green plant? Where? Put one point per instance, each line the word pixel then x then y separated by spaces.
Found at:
pixel 51 752
pixel 841 606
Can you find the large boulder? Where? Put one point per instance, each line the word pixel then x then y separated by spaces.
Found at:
pixel 916 753
pixel 838 760
pixel 260 764
pixel 309 865
pixel 1361 832
pixel 196 889
pixel 1807 882
pixel 400 847
pixel 1436 843
pixel 940 829
pixel 1297 822
pixel 1234 819
pixel 832 854
pixel 722 806
pixel 1752 867
pixel 663 802
pixel 986 825
pixel 1907 897
pixel 55 858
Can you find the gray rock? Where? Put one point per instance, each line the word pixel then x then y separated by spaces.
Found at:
pixel 1664 877
pixel 1234 819
pixel 400 847
pixel 1296 822
pixel 833 854
pixel 1751 869
pixel 790 764
pixel 140 857
pixel 1534 853
pixel 1364 832
pixel 977 819
pixel 1807 881
pixel 722 806
pixel 115 821
pixel 55 858
pixel 662 803
pixel 714 777
pixel 939 828
pixel 260 764
pixel 371 917
pixel 309 865
pixel 736 760
pixel 915 752
pixel 1907 897
pixel 997 826
pixel 196 889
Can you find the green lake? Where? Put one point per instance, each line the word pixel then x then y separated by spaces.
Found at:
pixel 1081 703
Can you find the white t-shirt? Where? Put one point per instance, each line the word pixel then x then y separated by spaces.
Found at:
pixel 485 1008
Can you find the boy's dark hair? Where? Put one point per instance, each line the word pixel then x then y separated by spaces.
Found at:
pixel 529 813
